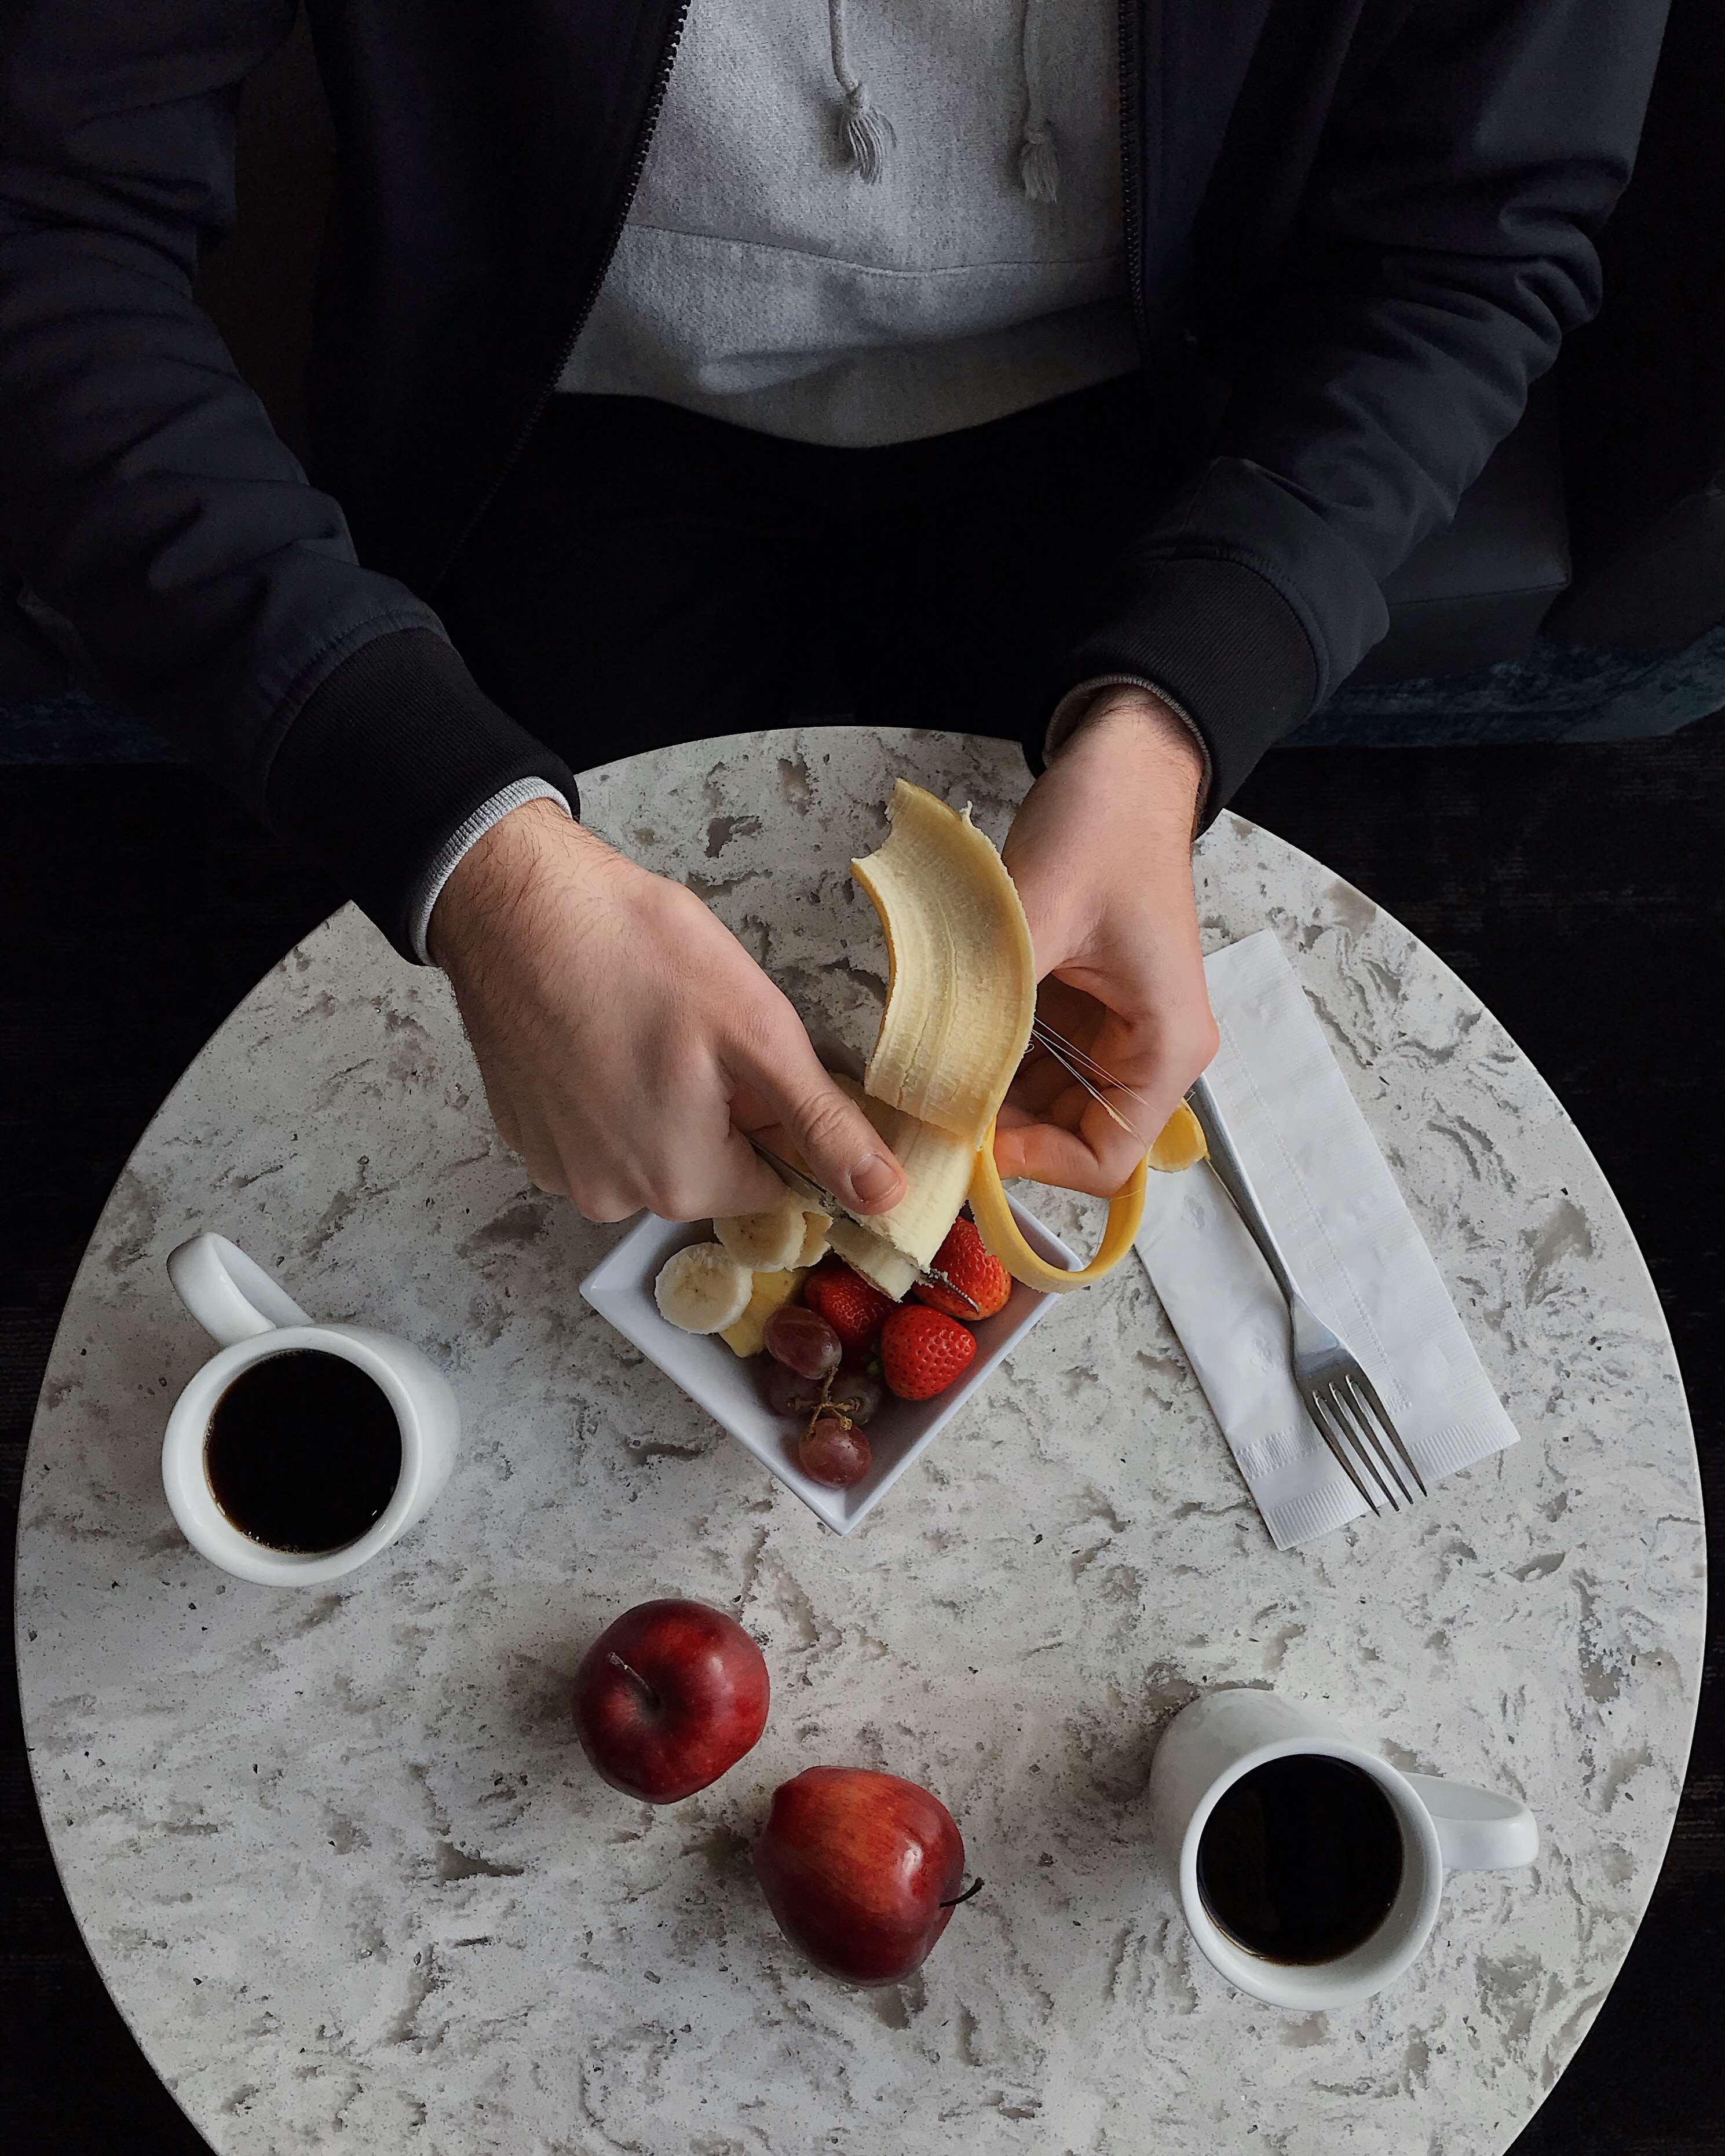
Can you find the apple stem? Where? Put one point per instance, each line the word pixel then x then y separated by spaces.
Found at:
pixel 974 1887
pixel 618 1662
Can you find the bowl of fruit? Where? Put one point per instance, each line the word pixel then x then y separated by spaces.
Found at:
pixel 834 1386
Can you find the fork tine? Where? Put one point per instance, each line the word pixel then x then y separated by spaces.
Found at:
pixel 1368 1393
pixel 1363 1453
pixel 1365 1434
pixel 1340 1450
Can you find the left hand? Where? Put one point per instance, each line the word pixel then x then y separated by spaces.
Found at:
pixel 1102 854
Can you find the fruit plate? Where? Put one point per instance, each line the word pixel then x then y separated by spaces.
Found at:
pixel 620 1288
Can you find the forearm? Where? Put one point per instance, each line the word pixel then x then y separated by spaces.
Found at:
pixel 1444 248
pixel 149 500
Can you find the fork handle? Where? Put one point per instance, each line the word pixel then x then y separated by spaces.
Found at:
pixel 1230 1171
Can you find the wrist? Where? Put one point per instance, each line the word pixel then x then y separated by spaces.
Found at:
pixel 499 872
pixel 1131 725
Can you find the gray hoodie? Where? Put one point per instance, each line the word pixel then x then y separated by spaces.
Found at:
pixel 867 220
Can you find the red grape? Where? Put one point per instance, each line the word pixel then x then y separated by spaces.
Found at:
pixel 803 1340
pixel 834 1452
pixel 856 1394
pixel 788 1392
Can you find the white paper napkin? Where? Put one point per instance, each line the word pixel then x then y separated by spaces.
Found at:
pixel 1352 1249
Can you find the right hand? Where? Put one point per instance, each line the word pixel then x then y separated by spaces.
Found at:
pixel 627 1039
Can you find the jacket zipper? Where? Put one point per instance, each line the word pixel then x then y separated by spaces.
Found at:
pixel 650 127
pixel 1129 164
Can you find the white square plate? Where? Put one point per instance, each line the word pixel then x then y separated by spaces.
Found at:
pixel 620 1288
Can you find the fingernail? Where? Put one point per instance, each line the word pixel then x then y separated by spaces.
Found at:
pixel 872 1179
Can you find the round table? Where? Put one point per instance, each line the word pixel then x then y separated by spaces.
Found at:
pixel 336 1852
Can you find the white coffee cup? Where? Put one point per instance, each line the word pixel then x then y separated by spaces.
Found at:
pixel 1444 1826
pixel 250 1318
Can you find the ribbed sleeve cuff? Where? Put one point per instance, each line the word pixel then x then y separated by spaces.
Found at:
pixel 1076 703
pixel 455 849
pixel 1219 641
pixel 394 750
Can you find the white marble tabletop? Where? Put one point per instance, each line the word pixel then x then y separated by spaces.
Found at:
pixel 338 1856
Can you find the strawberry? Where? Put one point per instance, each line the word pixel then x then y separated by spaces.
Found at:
pixel 850 1304
pixel 923 1351
pixel 974 1271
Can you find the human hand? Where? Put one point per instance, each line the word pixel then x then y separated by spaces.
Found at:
pixel 1102 852
pixel 627 1039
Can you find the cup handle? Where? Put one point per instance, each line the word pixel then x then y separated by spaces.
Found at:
pixel 1476 1830
pixel 231 1297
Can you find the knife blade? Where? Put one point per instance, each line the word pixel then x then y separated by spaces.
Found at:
pixel 823 1201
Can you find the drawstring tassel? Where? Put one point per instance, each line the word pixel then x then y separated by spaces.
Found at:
pixel 864 132
pixel 1039 168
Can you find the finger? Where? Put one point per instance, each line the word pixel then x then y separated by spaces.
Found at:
pixel 843 1149
pixel 544 1162
pixel 1085 1142
pixel 742 1181
pixel 1069 1011
pixel 702 1168
pixel 1075 1143
pixel 1044 1152
pixel 503 1116
pixel 1039 1080
pixel 1117 1129
pixel 1114 1147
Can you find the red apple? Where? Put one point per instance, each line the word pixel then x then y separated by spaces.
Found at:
pixel 669 1699
pixel 861 1869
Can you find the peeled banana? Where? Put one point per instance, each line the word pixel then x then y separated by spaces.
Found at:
pixel 876 1259
pixel 961 990
pixel 703 1288
pixel 937 1169
pixel 960 999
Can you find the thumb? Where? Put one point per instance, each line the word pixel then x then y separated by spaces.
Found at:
pixel 837 1143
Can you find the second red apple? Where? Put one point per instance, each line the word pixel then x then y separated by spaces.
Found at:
pixel 861 1869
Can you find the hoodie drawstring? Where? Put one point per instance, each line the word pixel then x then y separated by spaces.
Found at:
pixel 864 134
pixel 1039 168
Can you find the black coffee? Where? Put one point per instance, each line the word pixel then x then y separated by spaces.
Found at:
pixel 303 1451
pixel 1302 1860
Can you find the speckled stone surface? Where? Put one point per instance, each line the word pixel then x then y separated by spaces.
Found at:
pixel 338 1857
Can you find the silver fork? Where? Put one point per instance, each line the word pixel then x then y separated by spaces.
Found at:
pixel 1339 1397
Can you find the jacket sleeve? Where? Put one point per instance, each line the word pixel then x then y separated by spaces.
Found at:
pixel 1444 248
pixel 143 494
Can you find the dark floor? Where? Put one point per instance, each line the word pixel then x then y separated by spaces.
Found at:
pixel 1577 890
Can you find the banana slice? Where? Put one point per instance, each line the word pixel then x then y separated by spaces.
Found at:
pixel 766 1242
pixel 772 1291
pixel 815 1226
pixel 876 1259
pixel 937 1169
pixel 962 991
pixel 703 1288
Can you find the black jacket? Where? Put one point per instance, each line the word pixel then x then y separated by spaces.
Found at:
pixel 1371 220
